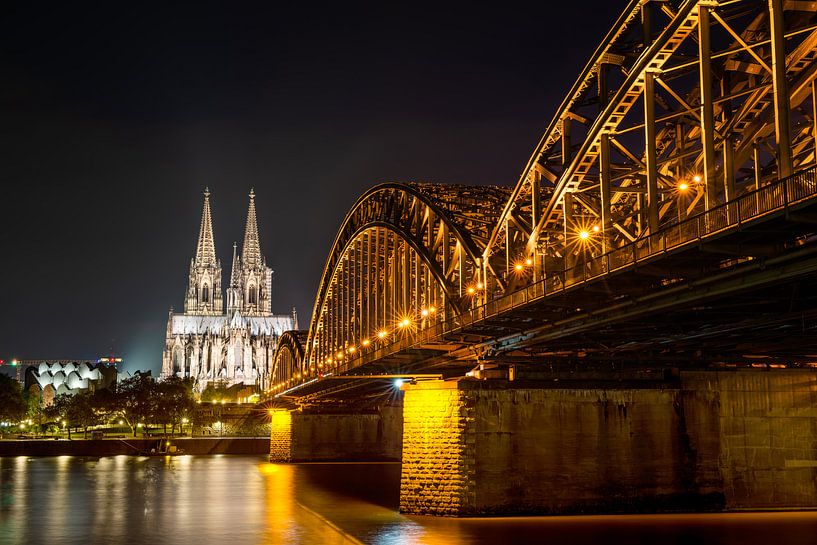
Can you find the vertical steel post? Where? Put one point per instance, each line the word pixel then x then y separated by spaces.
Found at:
pixel 606 191
pixel 729 172
pixel 567 204
pixel 814 115
pixel 566 142
pixel 536 212
pixel 707 108
pixel 649 151
pixel 781 92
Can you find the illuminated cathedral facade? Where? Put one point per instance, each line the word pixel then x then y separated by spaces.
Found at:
pixel 233 343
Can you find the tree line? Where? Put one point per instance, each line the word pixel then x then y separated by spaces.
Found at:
pixel 136 401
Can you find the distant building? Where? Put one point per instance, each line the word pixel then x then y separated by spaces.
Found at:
pixel 50 378
pixel 234 343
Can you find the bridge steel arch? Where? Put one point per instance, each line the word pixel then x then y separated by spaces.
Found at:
pixel 289 353
pixel 406 255
pixel 683 106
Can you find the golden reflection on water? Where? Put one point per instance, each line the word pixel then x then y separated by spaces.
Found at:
pixel 288 521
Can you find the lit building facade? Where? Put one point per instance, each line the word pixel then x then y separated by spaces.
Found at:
pixel 233 343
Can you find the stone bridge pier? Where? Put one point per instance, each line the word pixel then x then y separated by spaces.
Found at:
pixel 702 440
pixel 336 433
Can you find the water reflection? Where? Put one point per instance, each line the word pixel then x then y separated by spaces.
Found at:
pixel 244 500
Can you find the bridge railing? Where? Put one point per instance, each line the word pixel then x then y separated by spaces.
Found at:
pixel 748 208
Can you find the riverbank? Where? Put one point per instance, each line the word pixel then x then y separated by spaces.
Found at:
pixel 131 446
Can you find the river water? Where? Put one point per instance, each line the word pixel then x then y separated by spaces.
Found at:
pixel 243 500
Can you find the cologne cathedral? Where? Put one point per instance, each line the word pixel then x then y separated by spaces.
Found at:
pixel 233 343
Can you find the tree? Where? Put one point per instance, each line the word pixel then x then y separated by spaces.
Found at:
pixel 215 391
pixel 59 411
pixel 135 398
pixel 34 406
pixel 174 401
pixel 105 404
pixel 12 404
pixel 81 412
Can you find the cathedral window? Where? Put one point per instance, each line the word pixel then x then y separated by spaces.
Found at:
pixel 205 294
pixel 252 295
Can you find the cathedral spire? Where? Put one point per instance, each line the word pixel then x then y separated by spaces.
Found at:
pixel 206 248
pixel 234 276
pixel 251 249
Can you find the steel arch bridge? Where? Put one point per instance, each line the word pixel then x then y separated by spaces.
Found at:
pixel 689 121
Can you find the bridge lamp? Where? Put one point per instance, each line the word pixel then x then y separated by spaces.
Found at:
pixel 432 310
pixel 365 342
pixel 398 383
pixel 584 234
pixel 339 355
pixel 518 267
pixel 424 313
pixel 382 334
pixel 528 262
pixel 405 322
pixel 696 178
pixel 683 186
pixel 352 349
pixel 471 290
pixel 596 228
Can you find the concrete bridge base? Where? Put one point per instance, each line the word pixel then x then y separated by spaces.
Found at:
pixel 335 434
pixel 708 440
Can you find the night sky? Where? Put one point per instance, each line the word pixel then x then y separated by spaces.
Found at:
pixel 115 116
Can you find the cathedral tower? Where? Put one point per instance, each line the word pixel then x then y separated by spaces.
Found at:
pixel 250 288
pixel 204 285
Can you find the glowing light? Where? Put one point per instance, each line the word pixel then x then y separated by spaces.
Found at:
pixel 583 234
pixel 398 383
pixel 471 290
pixel 223 401
pixel 424 312
pixel 432 310
pixel 696 178
pixel 120 422
pixel 518 267
pixel 480 285
pixel 185 421
pixel 596 228
pixel 339 355
pixel 365 342
pixel 683 186
pixel 352 349
pixel 405 322
pixel 528 262
pixel 381 334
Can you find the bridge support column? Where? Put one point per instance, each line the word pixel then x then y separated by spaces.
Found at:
pixel 336 434
pixel 704 440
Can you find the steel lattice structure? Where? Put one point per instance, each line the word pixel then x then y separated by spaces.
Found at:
pixel 678 110
pixel 686 108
